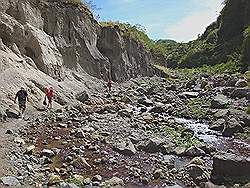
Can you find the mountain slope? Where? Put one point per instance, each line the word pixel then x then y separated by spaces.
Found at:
pixel 223 41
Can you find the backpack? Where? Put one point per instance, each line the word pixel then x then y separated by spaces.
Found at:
pixel 22 95
pixel 49 92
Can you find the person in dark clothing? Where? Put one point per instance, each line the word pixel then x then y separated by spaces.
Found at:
pixel 22 97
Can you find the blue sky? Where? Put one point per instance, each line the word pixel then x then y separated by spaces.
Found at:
pixel 181 20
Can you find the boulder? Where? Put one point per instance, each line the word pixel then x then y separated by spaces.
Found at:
pixel 168 148
pixel 198 173
pixel 11 114
pixel 241 83
pixel 97 178
pixel 180 151
pixel 125 148
pixel 218 125
pixel 240 93
pixel 158 108
pixel 189 94
pixel 145 101
pixel 47 153
pixel 30 149
pixel 232 127
pixel 125 113
pixel 153 145
pixel 82 97
pixel 10 181
pixel 114 182
pixel 230 166
pixel 53 179
pixel 194 152
pixel 219 101
pixel 221 113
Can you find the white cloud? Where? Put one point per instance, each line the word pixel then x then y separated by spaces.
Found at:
pixel 189 27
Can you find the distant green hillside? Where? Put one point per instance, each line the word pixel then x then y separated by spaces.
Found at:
pixel 225 41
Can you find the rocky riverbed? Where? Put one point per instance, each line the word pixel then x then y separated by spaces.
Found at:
pixel 147 132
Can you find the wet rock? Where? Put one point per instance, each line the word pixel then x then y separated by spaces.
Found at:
pixel 194 152
pixel 232 127
pixel 125 148
pixel 10 181
pixel 219 101
pixel 190 83
pixel 227 165
pixel 68 159
pixel 54 179
pixel 242 116
pixel 114 182
pixel 47 153
pixel 145 101
pixel 241 83
pixel 218 125
pixel 187 132
pixel 82 97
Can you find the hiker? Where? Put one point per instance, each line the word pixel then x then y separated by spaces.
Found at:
pixel 22 97
pixel 109 84
pixel 49 93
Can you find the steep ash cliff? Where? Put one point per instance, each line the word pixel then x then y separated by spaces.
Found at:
pixel 51 42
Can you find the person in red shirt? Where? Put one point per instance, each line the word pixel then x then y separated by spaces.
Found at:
pixel 109 84
pixel 49 93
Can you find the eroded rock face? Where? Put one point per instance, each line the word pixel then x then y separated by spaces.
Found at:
pixel 57 36
pixel 128 58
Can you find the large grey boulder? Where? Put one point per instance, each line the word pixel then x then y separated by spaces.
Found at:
pixel 125 147
pixel 240 93
pixel 230 166
pixel 10 181
pixel 219 101
pixel 218 125
pixel 231 127
pixel 152 145
pixel 82 97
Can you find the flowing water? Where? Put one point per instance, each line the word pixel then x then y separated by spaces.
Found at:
pixel 215 139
